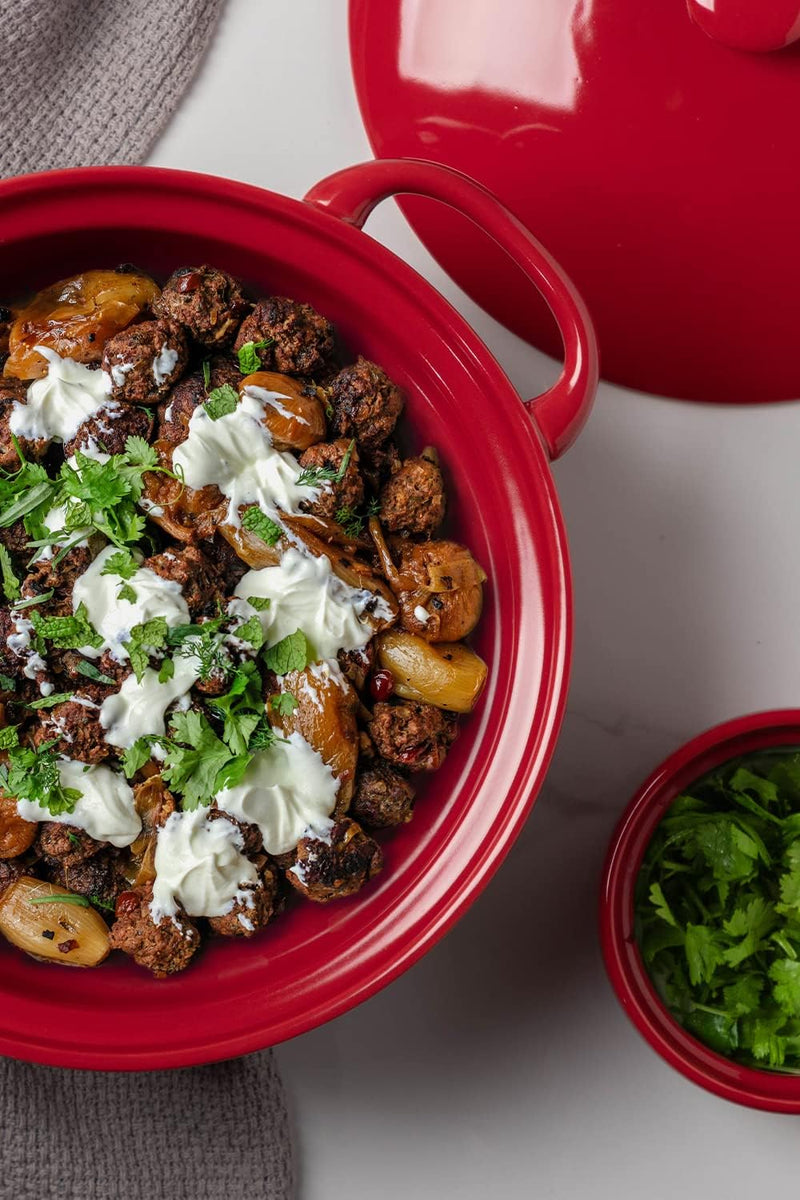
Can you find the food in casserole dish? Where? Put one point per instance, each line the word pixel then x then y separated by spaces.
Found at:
pixel 231 635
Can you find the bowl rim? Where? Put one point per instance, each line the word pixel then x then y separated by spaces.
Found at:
pixel 770 1091
pixel 481 863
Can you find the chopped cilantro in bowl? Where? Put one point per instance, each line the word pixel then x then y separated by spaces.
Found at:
pixel 717 909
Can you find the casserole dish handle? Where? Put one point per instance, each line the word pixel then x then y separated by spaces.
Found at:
pixel 559 413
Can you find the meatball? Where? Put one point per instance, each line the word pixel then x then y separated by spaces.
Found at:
pixel 383 797
pixel 365 403
pixel 165 947
pixel 11 393
pixel 98 877
pixel 299 340
pixel 412 735
pixel 48 575
pixel 15 538
pixel 208 303
pixel 199 579
pixel 10 871
pixel 175 412
pixel 145 360
pixel 65 844
pixel 252 842
pixel 337 865
pixel 357 664
pixel 413 500
pixel 231 568
pixel 109 430
pixel 335 494
pixel 253 913
pixel 75 726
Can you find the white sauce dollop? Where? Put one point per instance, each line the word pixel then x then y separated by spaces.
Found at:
pixel 138 709
pixel 286 791
pixel 305 594
pixel 164 364
pixel 199 864
pixel 235 452
pixel 105 810
pixel 114 618
pixel 59 403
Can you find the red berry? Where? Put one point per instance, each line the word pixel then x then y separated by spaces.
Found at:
pixel 381 685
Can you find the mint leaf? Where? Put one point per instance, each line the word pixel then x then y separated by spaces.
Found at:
pixel 261 525
pixel 259 603
pixel 67 633
pixel 221 401
pixel 289 654
pixel 166 671
pixel 145 640
pixel 249 358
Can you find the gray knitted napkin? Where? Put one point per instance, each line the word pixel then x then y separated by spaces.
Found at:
pixel 93 81
pixel 86 82
pixel 207 1133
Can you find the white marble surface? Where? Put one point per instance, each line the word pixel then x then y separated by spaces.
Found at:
pixel 502 1060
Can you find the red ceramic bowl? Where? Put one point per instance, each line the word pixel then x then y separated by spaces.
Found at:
pixel 745 735
pixel 319 961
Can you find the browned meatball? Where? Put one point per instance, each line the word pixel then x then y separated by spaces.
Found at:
pixel 145 361
pixel 164 948
pixel 248 916
pixel 335 494
pixel 11 392
pixel 15 539
pixel 252 842
pixel 412 735
pixel 198 577
pixel 175 411
pixel 98 877
pixel 75 726
pixel 109 430
pixel 413 500
pixel 357 664
pixel 230 567
pixel 339 865
pixel 383 797
pixel 10 871
pixel 209 304
pixel 365 403
pixel 65 844
pixel 58 577
pixel 299 340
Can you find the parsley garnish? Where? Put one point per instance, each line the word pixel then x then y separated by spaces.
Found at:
pixel 136 755
pixel 284 703
pixel 314 476
pixel 166 670
pixel 195 756
pixel 10 581
pixel 289 654
pixel 718 910
pixel 222 401
pixel 242 707
pixel 7 683
pixel 32 774
pixel 249 358
pixel 261 525
pixel 91 672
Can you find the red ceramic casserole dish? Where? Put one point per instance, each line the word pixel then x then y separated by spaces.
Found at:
pixel 316 963
pixel 769 1090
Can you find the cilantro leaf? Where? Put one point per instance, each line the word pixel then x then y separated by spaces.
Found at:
pixel 194 757
pixel 137 755
pixel 221 401
pixel 249 358
pixel 121 563
pixel 261 525
pixel 33 775
pixel 289 654
pixel 241 708
pixel 785 975
pixel 140 453
pixel 703 953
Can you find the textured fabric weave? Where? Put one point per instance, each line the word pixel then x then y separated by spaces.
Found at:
pixel 207 1133
pixel 84 82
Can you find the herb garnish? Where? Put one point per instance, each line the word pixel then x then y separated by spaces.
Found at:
pixel 291 653
pixel 10 581
pixel 67 898
pixel 92 672
pixel 222 401
pixel 718 910
pixel 123 564
pixel 30 601
pixel 51 701
pixel 32 774
pixel 249 358
pixel 284 703
pixel 145 640
pixel 314 476
pixel 261 525
pixel 67 633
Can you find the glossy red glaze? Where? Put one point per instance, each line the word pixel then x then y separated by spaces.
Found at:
pixel 745 735
pixel 749 24
pixel 657 165
pixel 318 961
